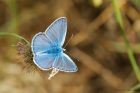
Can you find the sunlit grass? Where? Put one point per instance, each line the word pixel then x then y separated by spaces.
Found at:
pixel 129 49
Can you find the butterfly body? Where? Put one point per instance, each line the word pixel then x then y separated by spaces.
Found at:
pixel 55 50
pixel 47 48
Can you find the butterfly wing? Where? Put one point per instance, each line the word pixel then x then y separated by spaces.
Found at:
pixel 44 61
pixel 40 43
pixel 56 32
pixel 64 63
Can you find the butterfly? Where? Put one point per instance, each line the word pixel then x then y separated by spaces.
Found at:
pixel 47 48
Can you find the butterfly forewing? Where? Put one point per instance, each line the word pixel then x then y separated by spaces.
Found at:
pixel 56 32
pixel 40 43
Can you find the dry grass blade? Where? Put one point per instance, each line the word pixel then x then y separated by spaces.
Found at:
pixel 95 24
pixel 88 61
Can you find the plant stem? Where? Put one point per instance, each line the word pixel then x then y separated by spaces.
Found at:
pixel 122 31
pixel 14 35
pixel 14 24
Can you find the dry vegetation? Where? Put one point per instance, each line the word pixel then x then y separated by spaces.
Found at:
pixel 104 66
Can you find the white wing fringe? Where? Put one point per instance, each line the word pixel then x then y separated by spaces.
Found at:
pixel 53 73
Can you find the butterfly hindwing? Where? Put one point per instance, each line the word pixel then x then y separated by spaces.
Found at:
pixel 64 63
pixel 44 61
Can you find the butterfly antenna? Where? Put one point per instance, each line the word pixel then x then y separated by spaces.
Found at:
pixel 68 41
pixel 72 56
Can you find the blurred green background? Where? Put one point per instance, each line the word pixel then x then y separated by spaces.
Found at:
pixel 98 47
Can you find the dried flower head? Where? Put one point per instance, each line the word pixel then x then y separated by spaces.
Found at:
pixel 24 50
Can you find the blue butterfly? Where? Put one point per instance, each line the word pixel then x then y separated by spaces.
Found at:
pixel 47 48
